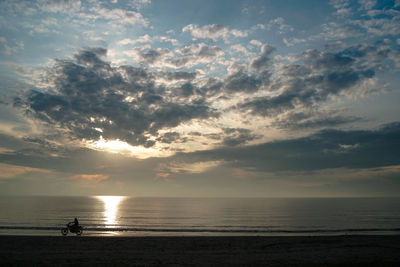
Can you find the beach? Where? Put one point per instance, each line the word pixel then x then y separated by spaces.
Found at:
pixel 200 251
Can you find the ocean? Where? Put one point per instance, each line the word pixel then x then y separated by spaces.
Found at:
pixel 130 216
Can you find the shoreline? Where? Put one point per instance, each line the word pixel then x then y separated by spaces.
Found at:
pixel 140 231
pixel 17 250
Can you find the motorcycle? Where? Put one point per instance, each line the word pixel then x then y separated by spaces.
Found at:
pixel 71 227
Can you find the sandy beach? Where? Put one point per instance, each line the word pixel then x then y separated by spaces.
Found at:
pixel 199 251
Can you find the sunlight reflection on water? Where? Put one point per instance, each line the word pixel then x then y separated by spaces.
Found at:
pixel 111 204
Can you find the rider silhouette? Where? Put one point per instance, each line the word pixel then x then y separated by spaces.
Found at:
pixel 74 224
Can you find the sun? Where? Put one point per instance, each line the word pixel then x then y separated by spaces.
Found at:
pixel 121 147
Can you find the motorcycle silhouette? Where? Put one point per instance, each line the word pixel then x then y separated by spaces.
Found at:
pixel 71 227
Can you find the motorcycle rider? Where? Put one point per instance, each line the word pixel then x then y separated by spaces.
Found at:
pixel 74 224
pixel 72 227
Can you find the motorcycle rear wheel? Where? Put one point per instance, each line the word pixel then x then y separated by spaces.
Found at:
pixel 79 232
pixel 64 231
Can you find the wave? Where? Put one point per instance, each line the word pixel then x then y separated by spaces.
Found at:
pixel 205 230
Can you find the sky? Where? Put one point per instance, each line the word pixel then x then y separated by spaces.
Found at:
pixel 176 98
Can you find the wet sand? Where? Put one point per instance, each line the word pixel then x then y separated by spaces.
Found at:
pixel 199 251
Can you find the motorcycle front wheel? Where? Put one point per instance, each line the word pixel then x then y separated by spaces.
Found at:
pixel 64 231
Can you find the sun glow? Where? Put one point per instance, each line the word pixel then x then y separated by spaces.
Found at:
pixel 111 205
pixel 118 146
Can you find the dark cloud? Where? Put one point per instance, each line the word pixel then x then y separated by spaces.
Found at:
pixel 320 61
pixel 214 136
pixel 91 56
pixel 380 51
pixel 187 89
pixel 270 106
pixel 136 74
pixel 322 75
pixel 169 137
pixel 10 142
pixel 237 136
pixel 296 70
pixel 153 55
pixel 244 82
pixel 178 75
pixel 230 136
pixel 195 54
pixel 303 120
pixel 207 51
pixel 212 86
pixel 324 150
pixel 263 62
pixel 93 99
pixel 179 62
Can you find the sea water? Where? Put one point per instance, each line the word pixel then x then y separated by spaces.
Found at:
pixel 130 216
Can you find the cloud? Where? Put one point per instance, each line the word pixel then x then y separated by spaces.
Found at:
pixel 164 176
pixel 213 32
pixel 50 21
pixel 166 39
pixel 119 16
pixel 90 177
pixel 337 31
pixel 292 41
pixel 298 120
pixel 237 136
pixel 326 61
pixel 378 22
pixel 323 74
pixel 60 6
pixel 89 100
pixel 123 102
pixel 200 50
pixel 8 48
pixel 240 48
pixel 380 26
pixel 169 137
pixel 93 36
pixel 153 55
pixel 142 39
pixel 178 76
pixel 367 4
pixel 238 33
pixel 327 149
pixel 195 54
pixel 27 8
pixel 241 174
pixel 193 168
pixel 256 43
pixel 241 81
pixel 11 171
pixel 262 62
pixel 258 27
pixel 280 24
pixel 342 7
pixel 139 4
